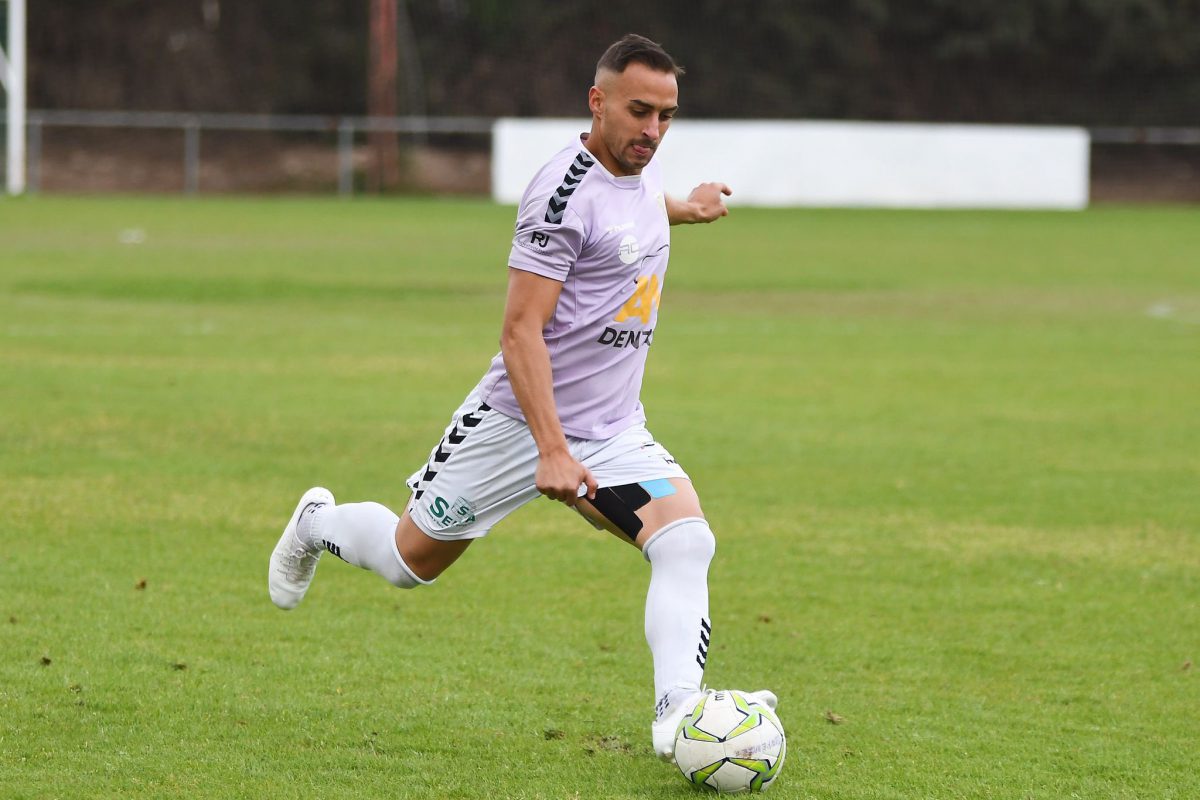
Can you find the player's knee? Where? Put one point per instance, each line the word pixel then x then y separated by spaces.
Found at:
pixel 410 572
pixel 404 576
pixel 689 539
pixel 421 568
pixel 422 557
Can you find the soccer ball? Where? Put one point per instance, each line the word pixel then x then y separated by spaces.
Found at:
pixel 730 742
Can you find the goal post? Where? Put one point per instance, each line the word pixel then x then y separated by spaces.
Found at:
pixel 12 76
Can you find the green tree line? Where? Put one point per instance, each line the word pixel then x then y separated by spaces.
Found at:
pixel 1100 62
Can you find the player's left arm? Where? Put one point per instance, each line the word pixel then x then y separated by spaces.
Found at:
pixel 704 204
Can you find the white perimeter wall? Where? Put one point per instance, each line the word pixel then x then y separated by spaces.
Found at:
pixel 836 163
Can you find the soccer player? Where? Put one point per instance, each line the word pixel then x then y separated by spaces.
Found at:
pixel 558 412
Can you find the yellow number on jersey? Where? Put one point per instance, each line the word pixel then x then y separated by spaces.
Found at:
pixel 645 299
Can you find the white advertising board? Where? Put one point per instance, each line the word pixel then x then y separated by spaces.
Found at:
pixel 867 164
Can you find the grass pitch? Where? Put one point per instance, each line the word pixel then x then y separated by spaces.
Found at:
pixel 952 461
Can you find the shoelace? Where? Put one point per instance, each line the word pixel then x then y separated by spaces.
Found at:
pixel 300 564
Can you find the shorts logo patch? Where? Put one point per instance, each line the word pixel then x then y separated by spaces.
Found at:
pixel 451 514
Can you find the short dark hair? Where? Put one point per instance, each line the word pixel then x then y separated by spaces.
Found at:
pixel 632 48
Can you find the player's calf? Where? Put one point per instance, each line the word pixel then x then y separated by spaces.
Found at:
pixel 678 629
pixel 362 534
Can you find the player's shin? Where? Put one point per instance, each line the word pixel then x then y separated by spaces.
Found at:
pixel 677 623
pixel 362 534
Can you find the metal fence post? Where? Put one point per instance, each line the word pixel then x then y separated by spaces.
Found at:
pixel 345 158
pixel 191 156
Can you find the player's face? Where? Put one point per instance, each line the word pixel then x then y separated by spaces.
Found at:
pixel 631 112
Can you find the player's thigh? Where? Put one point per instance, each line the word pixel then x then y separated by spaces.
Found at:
pixel 641 486
pixel 657 513
pixel 480 472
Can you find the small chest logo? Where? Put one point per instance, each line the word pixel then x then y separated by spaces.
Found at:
pixel 628 251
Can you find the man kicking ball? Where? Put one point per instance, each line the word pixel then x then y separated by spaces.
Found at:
pixel 558 412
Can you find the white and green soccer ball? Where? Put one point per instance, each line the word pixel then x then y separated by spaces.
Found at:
pixel 730 742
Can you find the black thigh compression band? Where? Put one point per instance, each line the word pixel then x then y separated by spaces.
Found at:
pixel 619 505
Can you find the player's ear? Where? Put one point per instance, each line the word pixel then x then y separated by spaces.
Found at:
pixel 596 100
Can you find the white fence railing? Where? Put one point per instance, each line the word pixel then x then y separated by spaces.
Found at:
pixel 192 126
pixel 345 129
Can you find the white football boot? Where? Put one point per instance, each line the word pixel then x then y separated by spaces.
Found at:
pixel 662 732
pixel 764 696
pixel 293 563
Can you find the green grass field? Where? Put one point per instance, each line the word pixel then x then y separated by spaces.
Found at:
pixel 952 461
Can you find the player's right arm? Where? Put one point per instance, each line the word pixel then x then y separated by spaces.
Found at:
pixel 706 203
pixel 530 304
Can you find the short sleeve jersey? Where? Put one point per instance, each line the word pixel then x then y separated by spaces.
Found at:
pixel 606 238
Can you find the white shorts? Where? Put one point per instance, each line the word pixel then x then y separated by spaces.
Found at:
pixel 483 470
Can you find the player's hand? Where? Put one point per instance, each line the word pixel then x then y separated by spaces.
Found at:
pixel 707 203
pixel 559 477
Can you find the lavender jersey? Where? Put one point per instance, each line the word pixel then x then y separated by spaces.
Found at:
pixel 606 238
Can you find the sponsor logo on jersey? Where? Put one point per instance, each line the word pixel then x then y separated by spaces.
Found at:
pixel 537 241
pixel 647 295
pixel 628 251
pixel 615 338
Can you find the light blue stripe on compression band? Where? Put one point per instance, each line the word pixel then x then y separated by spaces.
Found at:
pixel 658 488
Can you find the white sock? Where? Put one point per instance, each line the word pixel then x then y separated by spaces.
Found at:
pixel 677 625
pixel 362 534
